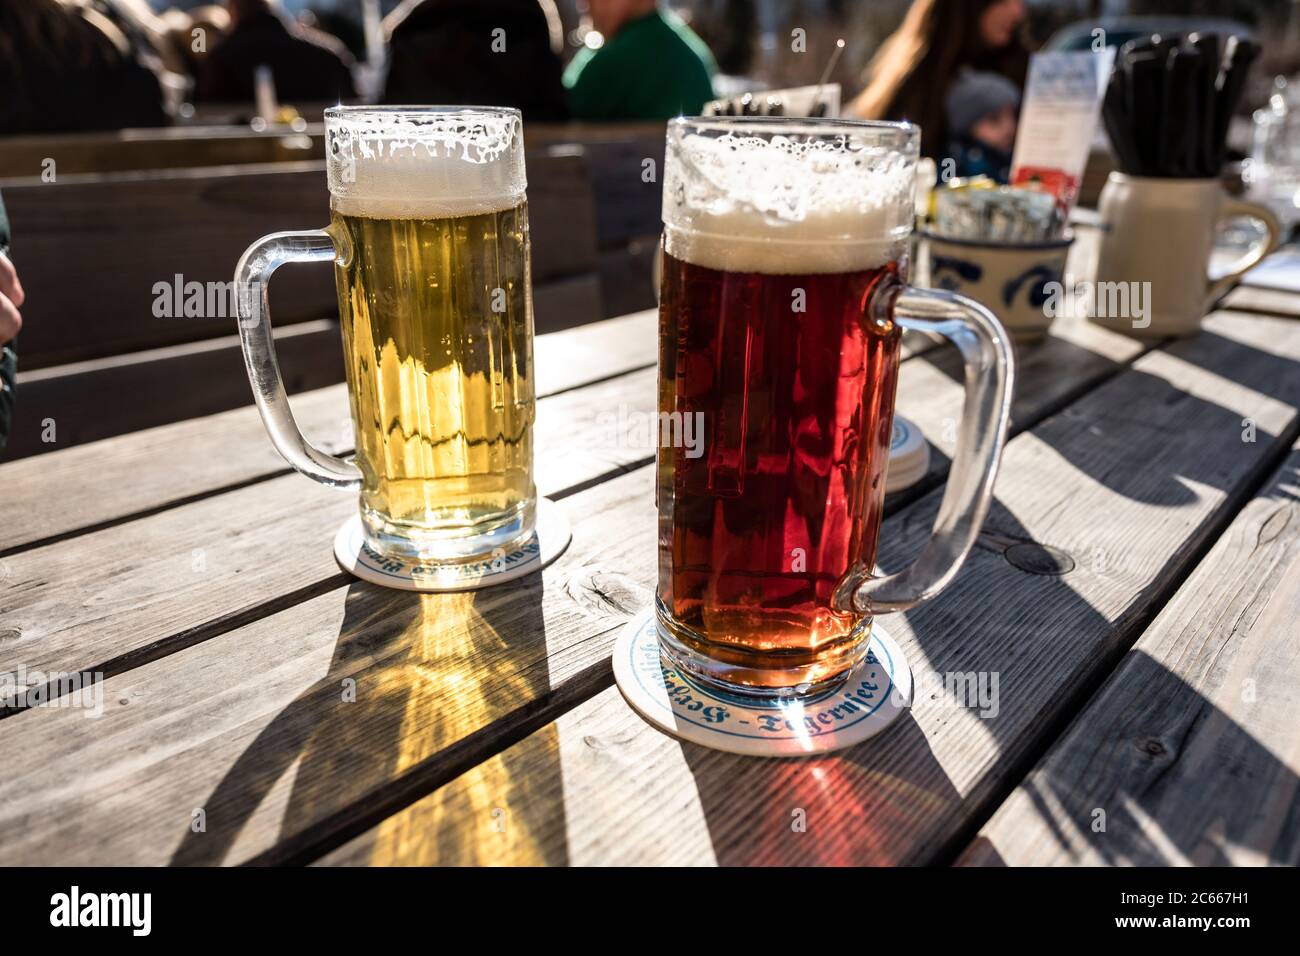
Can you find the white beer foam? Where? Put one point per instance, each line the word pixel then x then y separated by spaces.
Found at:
pixel 396 165
pixel 779 206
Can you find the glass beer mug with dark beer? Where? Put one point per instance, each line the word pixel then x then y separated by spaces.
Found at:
pixel 429 238
pixel 782 306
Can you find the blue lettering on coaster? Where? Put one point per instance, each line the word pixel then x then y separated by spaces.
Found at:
pixel 865 691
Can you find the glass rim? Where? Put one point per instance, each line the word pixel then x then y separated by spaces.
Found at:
pixel 901 130
pixel 419 111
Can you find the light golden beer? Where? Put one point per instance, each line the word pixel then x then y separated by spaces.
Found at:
pixel 437 333
pixel 429 238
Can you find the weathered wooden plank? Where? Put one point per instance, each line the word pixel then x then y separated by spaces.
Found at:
pixel 612 573
pixel 273 509
pixel 627 276
pixel 1126 484
pixel 101 398
pixel 1249 298
pixel 165 148
pixel 257 731
pixel 91 289
pixel 156 387
pixel 178 147
pixel 103 482
pixel 91 485
pixel 1189 753
pixel 569 302
pixel 1255 294
pixel 627 179
pixel 131 592
pixel 1073 358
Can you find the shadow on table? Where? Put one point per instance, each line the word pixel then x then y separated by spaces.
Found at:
pixel 453 664
pixel 1157 810
pixel 412 677
pixel 843 809
pixel 890 800
pixel 1041 388
pixel 1224 358
pixel 1141 481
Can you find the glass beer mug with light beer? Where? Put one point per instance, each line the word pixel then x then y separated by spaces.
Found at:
pixel 429 238
pixel 782 306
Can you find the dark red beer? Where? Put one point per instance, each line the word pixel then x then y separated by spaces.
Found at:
pixel 795 382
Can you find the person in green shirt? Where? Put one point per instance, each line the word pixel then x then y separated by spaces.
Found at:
pixel 650 67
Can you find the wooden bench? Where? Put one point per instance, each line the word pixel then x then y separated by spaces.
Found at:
pixel 626 162
pixel 92 249
pixel 627 202
pixel 128 150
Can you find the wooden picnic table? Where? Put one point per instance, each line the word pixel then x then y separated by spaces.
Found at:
pixel 1135 591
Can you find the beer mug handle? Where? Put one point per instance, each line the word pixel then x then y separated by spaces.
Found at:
pixel 1238 209
pixel 252 276
pixel 988 357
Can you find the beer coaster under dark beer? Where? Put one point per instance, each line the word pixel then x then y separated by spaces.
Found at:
pixel 909 456
pixel 549 539
pixel 875 694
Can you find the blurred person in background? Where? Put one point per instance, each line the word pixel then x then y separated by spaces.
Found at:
pixel 156 44
pixel 911 74
pixel 346 29
pixel 67 67
pixel 307 66
pixel 11 299
pixel 649 65
pixel 982 111
pixel 479 53
pixel 147 33
pixel 180 25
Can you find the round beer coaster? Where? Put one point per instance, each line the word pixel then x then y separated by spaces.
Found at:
pixel 549 539
pixel 875 694
pixel 909 456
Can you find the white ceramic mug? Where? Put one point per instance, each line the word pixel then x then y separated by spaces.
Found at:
pixel 1161 231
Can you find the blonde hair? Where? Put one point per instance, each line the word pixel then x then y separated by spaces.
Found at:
pixel 894 62
pixel 910 76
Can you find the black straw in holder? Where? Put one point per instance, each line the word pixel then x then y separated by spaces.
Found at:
pixel 1170 101
pixel 1177 145
pixel 1207 151
pixel 1115 115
